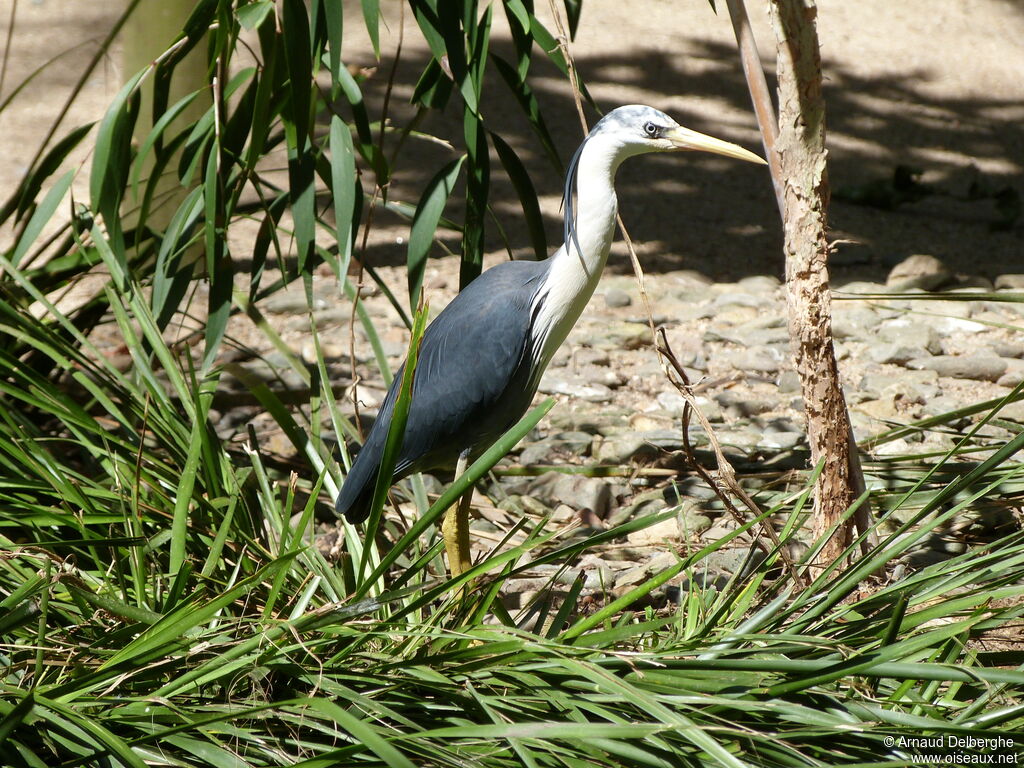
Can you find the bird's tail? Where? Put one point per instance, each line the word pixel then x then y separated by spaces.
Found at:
pixel 356 494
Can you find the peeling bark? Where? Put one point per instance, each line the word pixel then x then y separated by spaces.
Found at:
pixel 801 153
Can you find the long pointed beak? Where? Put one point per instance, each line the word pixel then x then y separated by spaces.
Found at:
pixel 684 138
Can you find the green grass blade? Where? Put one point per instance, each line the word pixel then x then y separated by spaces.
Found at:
pixel 395 437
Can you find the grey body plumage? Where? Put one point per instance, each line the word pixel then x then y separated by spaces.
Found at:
pixel 472 383
pixel 482 357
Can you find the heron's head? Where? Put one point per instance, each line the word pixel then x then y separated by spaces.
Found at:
pixel 637 130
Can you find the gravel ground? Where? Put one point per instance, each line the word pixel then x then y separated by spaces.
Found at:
pixel 903 359
pixel 911 86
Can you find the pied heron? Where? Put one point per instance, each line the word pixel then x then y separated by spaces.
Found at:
pixel 481 358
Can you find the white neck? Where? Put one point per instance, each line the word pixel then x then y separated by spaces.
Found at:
pixel 574 272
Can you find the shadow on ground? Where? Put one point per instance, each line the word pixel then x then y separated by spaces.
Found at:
pixel 718 216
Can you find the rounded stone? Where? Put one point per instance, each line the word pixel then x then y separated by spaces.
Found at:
pixel 743 404
pixel 918 271
pixel 757 360
pixel 896 353
pixel 976 367
pixel 1012 282
pixel 591 391
pixel 616 297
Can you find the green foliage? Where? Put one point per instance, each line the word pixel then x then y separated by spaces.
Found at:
pixel 161 601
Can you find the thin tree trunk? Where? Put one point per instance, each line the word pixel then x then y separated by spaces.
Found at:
pixel 153 26
pixel 801 153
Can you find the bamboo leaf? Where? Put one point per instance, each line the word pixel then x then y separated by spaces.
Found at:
pixel 363 732
pixel 343 188
pixel 170 278
pixel 24 196
pixel 477 192
pixel 156 134
pixel 424 224
pixel 371 15
pixel 573 8
pixel 41 216
pixel 528 103
pixel 527 195
pixel 188 616
pixel 253 14
pixel 111 154
pixel 297 115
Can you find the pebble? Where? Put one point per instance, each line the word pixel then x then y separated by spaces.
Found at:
pixel 788 382
pixel 904 331
pixel 272 370
pixel 291 303
pixel 740 439
pixel 646 503
pixel 578 492
pixel 896 353
pixel 659 533
pixel 631 577
pixel 735 315
pixel 901 358
pixel 1011 282
pixel 519 504
pixel 575 442
pixel 782 435
pixel 847 253
pixel 621 335
pixel 1004 349
pixel 756 360
pixel 655 418
pixel 758 336
pixel 740 299
pixel 862 287
pixel 768 284
pixel 918 271
pixel 625 447
pixel 782 441
pixel 674 403
pixel 616 297
pixel 577 387
pixel 976 367
pixel 333 318
pixel 886 409
pixel 912 385
pixel 1014 373
pixel 743 404
pixel 619 449
pixel 536 452
pixel 1013 411
pixel 934 406
pixel 578 417
pixel 853 322
pixel 330 351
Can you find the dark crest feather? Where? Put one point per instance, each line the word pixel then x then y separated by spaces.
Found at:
pixel 569 227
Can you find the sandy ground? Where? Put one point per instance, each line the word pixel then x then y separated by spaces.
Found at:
pixel 934 86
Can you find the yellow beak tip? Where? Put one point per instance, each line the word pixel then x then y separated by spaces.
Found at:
pixel 684 138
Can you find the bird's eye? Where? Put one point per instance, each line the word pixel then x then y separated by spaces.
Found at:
pixel 651 130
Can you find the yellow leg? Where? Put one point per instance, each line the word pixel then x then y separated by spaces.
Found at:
pixel 455 528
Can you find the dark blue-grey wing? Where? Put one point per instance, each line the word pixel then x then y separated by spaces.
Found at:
pixel 472 382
